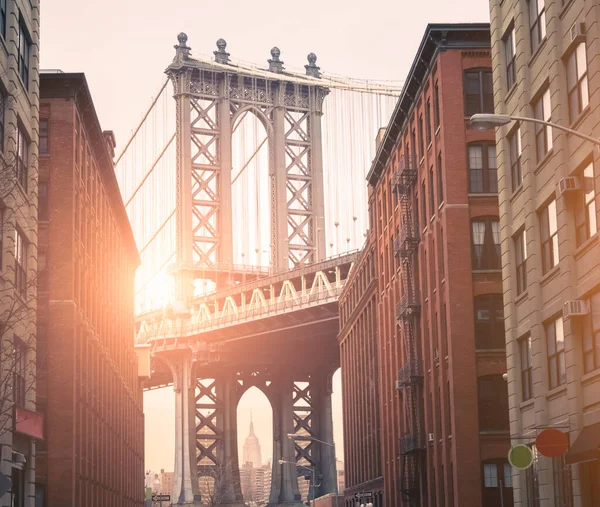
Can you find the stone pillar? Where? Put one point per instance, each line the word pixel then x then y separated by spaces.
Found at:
pixel 284 485
pixel 279 209
pixel 225 254
pixel 316 166
pixel 185 491
pixel 227 453
pixel 327 465
pixel 184 249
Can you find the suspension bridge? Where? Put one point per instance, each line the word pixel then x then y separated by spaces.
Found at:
pixel 245 187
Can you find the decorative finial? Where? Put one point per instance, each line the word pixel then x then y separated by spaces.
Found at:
pixel 182 50
pixel 221 56
pixel 312 69
pixel 275 64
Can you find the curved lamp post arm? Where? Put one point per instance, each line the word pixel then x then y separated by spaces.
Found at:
pixel 558 127
pixel 300 438
pixel 485 121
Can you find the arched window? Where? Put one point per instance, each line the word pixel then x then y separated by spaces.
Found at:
pixel 489 322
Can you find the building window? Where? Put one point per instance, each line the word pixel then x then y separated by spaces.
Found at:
pixel 24 53
pixel 493 403
pixel 514 141
pixel 20 263
pixel 556 353
pixel 423 204
pixel 532 482
pixel 563 492
pixel 489 321
pixel 591 335
pixel 431 193
pixel 18 486
pixel 3 18
pixel 585 213
pixel 413 136
pixel 537 23
pixel 20 372
pixel 2 219
pixel 440 179
pixel 22 157
pixel 577 81
pixel 508 478
pixel 421 140
pixel 43 136
pixel 436 105
pixel 2 118
pixel 520 241
pixel 490 475
pixel 483 172
pixel 428 122
pixel 479 93
pixel 526 367
pixel 510 50
pixel 485 240
pixel 549 232
pixel 43 201
pixel 543 133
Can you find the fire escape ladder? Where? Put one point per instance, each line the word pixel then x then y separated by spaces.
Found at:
pixel 410 376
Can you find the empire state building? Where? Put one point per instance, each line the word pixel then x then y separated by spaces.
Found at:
pixel 252 448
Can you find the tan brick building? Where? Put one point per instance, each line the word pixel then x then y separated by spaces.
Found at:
pixel 19 102
pixel 546 58
pixel 88 383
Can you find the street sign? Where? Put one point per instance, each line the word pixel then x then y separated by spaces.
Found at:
pixel 161 498
pixel 364 494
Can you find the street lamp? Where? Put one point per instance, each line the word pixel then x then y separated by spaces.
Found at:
pixel 485 121
pixel 311 470
pixel 293 436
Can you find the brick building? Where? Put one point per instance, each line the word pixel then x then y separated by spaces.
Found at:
pixel 19 103
pixel 360 379
pixel 88 384
pixel 546 60
pixel 438 290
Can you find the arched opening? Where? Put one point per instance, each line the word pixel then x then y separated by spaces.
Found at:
pixel 255 445
pixel 338 427
pixel 250 191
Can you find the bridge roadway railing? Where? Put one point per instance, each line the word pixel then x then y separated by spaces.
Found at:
pixel 301 288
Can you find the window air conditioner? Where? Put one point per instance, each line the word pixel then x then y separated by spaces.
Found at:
pixel 577 31
pixel 570 184
pixel 575 308
pixel 398 384
pixel 430 437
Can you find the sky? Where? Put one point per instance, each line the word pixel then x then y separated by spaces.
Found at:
pixel 123 47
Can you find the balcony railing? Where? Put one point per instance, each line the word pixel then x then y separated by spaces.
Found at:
pixel 404 177
pixel 409 305
pixel 410 373
pixel 411 443
pixel 407 242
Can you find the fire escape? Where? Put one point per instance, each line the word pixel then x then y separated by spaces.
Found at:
pixel 410 376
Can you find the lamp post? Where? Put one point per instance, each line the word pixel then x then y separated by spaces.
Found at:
pixel 484 121
pixel 293 436
pixel 311 470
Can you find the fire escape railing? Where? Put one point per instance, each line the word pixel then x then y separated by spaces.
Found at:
pixel 408 309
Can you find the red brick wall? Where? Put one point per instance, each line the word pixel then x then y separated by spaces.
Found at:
pixel 93 400
pixel 445 277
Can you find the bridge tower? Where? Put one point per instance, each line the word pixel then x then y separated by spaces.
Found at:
pixel 211 97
